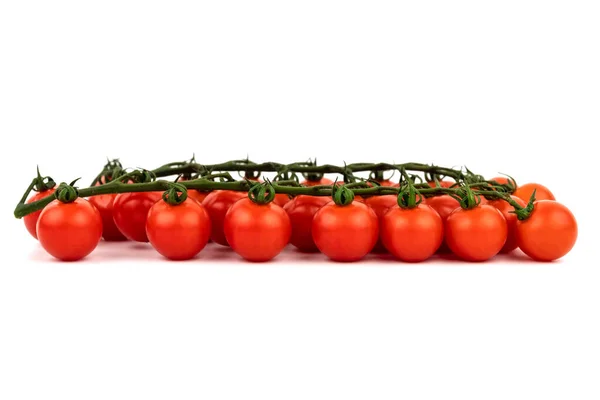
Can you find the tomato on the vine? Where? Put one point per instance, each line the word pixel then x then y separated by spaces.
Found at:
pixel 104 203
pixel 281 199
pixel 69 231
pixel 412 234
pixel 301 211
pixel 381 205
pixel 130 211
pixel 541 192
pixel 178 232
pixel 502 180
pixel 257 232
pixel 217 204
pixel 322 181
pixel 30 220
pixel 197 195
pixel 549 233
pixel 511 221
pixel 444 184
pixel 476 234
pixel 345 233
pixel 443 205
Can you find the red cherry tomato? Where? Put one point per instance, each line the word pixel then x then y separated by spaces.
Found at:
pixel 301 211
pixel 178 232
pixel 501 180
pixel 197 195
pixel 104 205
pixel 541 192
pixel 281 199
pixel 69 231
pixel 443 205
pixel 387 182
pixel 414 234
pixel 345 233
pixel 217 204
pixel 381 204
pixel 130 211
pixel 549 233
pixel 477 234
pixel 257 232
pixel 511 221
pixel 444 184
pixel 31 219
pixel 322 181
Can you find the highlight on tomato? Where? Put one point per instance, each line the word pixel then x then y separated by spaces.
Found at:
pixel 178 230
pixel 345 230
pixel 476 234
pixel 549 232
pixel 130 212
pixel 256 228
pixel 541 192
pixel 301 211
pixel 69 230
pixel 217 204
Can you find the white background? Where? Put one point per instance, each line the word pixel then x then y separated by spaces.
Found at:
pixel 508 87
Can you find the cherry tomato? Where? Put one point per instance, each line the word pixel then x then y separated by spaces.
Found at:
pixel 381 204
pixel 281 199
pixel 443 205
pixel 257 232
pixel 387 182
pixel 69 231
pixel 104 205
pixel 130 211
pixel 541 192
pixel 502 180
pixel 197 195
pixel 414 234
pixel 444 184
pixel 549 233
pixel 301 211
pixel 31 219
pixel 511 221
pixel 217 204
pixel 322 181
pixel 178 232
pixel 345 233
pixel 477 234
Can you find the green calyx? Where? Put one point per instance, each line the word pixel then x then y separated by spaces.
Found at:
pixel 342 196
pixel 262 193
pixel 466 197
pixel 523 212
pixel 176 194
pixel 67 193
pixel 43 183
pixel 409 197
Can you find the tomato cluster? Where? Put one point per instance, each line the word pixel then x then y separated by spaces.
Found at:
pixel 346 227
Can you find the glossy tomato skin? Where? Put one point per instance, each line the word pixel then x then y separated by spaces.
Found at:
pixel 217 204
pixel 511 221
pixel 322 181
pixel 345 233
pixel 257 232
pixel 69 231
pixel 178 232
pixel 104 204
pixel 477 234
pixel 549 233
pixel 443 205
pixel 30 220
pixel 541 192
pixel 301 211
pixel 197 195
pixel 380 205
pixel 281 199
pixel 130 211
pixel 412 235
